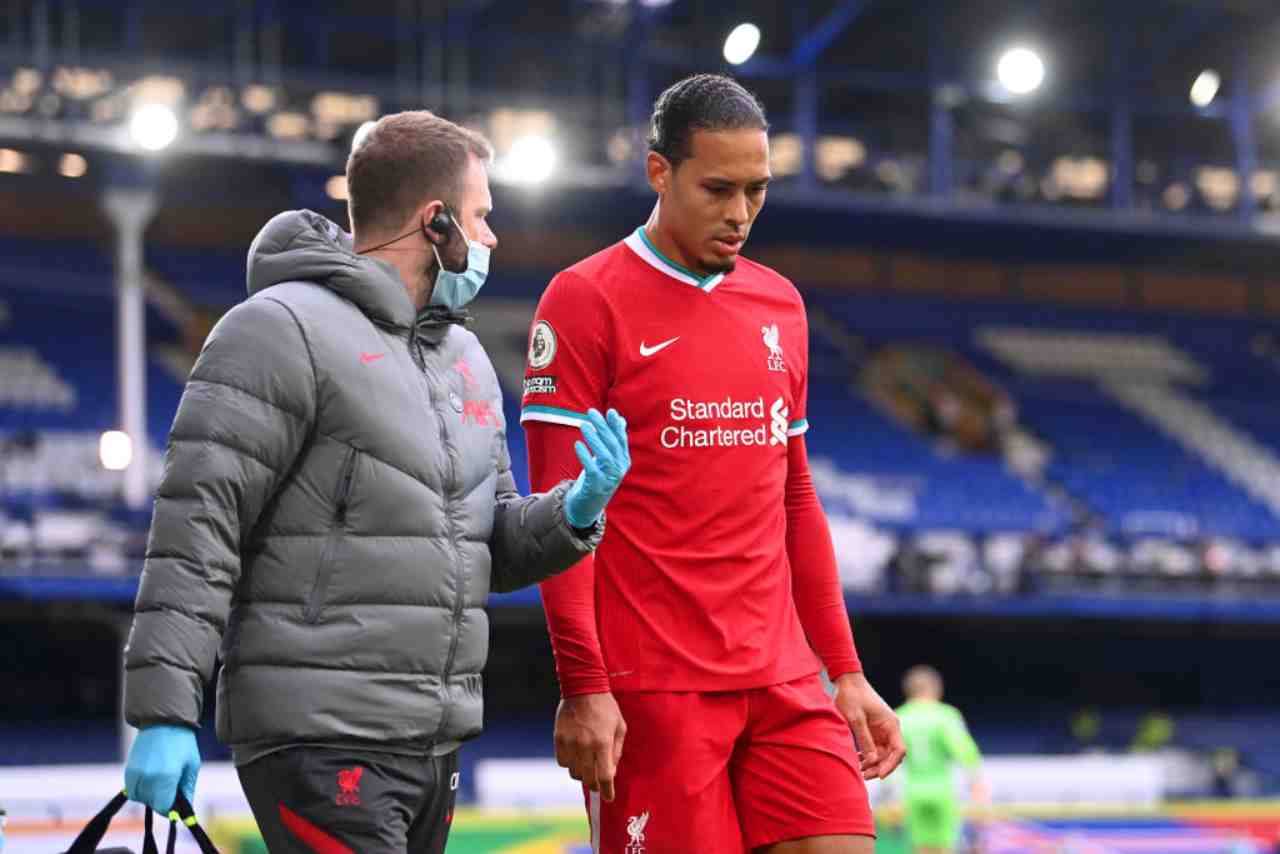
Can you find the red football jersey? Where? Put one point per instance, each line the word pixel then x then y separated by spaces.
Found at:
pixel 693 583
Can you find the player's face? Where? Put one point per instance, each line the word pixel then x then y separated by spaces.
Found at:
pixel 711 199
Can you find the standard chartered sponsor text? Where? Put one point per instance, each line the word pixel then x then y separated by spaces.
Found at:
pixel 684 410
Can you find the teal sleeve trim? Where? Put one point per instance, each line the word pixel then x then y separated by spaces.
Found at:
pixel 553 414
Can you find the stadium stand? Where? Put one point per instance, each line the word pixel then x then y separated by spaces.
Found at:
pixel 1142 465
pixel 1083 472
pixel 209 277
pixel 1106 435
pixel 59 511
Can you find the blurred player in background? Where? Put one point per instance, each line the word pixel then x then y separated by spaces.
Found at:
pixel 693 634
pixel 937 741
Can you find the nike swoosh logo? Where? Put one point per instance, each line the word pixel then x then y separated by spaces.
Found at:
pixel 366 358
pixel 649 351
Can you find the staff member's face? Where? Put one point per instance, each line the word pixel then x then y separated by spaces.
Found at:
pixel 474 204
pixel 710 200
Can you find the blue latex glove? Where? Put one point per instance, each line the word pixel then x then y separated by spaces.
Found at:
pixel 602 473
pixel 163 758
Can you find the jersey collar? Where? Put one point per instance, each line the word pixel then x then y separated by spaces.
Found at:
pixel 640 244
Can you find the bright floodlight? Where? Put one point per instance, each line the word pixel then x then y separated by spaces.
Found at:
pixel 1020 70
pixel 741 43
pixel 153 127
pixel 1205 89
pixel 531 160
pixel 115 450
pixel 72 165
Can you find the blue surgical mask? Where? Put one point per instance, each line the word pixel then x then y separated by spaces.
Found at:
pixel 455 290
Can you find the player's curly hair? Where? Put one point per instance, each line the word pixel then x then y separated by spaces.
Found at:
pixel 701 102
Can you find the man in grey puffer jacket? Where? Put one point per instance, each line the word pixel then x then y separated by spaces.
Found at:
pixel 337 503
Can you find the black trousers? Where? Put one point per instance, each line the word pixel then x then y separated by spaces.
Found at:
pixel 328 801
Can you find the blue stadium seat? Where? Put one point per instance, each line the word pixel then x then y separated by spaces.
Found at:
pixel 1122 467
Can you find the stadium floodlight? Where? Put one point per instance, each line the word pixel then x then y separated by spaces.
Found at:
pixel 72 165
pixel 1205 89
pixel 1020 70
pixel 153 127
pixel 741 43
pixel 115 450
pixel 530 160
pixel 12 161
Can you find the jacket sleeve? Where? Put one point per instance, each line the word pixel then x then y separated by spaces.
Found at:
pixel 244 416
pixel 531 538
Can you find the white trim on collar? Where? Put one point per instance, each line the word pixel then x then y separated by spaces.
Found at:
pixel 638 243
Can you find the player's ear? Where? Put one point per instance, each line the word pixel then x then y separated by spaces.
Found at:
pixel 658 170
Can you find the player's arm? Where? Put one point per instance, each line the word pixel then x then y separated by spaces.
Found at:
pixel 961 748
pixel 960 744
pixel 820 605
pixel 568 598
pixel 243 418
pixel 820 602
pixel 818 595
pixel 566 376
pixel 589 730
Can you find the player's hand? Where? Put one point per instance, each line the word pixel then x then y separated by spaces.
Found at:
pixel 875 726
pixel 602 468
pixel 589 735
pixel 979 801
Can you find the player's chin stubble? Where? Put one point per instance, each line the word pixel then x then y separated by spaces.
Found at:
pixel 725 267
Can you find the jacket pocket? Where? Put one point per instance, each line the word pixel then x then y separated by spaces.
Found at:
pixel 337 525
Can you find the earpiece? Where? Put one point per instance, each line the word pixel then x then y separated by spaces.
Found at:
pixel 441 222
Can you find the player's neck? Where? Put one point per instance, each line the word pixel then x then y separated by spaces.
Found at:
pixel 668 246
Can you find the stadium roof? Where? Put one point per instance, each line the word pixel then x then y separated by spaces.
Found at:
pixel 869 98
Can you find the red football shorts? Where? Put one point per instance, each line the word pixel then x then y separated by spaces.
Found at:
pixel 727 772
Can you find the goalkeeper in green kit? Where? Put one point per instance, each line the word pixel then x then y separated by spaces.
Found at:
pixel 937 740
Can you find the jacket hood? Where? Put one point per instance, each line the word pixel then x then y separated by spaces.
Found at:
pixel 305 246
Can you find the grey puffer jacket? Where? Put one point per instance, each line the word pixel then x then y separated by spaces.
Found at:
pixel 336 505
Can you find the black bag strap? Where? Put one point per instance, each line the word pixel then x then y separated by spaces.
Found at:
pixel 87 841
pixel 148 839
pixel 183 812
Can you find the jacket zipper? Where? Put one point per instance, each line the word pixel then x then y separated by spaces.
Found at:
pixel 459 574
pixel 312 612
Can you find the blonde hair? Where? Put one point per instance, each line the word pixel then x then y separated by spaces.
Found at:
pixel 920 680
